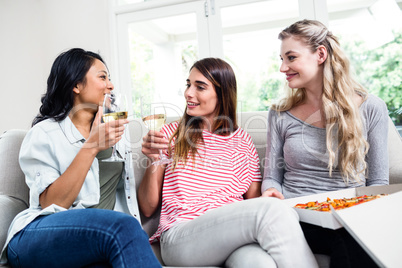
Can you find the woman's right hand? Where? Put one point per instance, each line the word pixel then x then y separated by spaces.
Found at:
pixel 105 135
pixel 272 192
pixel 152 142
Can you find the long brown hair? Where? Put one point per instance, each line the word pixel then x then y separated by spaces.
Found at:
pixel 189 132
pixel 342 115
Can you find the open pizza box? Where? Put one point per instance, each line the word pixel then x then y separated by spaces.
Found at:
pixel 376 225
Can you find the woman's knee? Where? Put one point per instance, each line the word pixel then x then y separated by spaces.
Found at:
pixel 275 210
pixel 272 204
pixel 124 223
pixel 113 224
pixel 251 255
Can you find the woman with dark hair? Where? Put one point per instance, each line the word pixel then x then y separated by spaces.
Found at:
pixel 71 220
pixel 215 167
pixel 67 71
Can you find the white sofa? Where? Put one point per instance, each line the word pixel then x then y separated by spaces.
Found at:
pixel 14 192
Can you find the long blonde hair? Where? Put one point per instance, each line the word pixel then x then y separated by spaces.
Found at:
pixel 189 132
pixel 341 113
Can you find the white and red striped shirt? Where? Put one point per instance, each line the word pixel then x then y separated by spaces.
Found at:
pixel 222 172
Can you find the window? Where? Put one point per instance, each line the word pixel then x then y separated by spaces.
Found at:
pixel 371 35
pixel 161 53
pixel 157 42
pixel 158 46
pixel 251 46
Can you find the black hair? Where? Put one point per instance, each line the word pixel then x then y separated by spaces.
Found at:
pixel 68 70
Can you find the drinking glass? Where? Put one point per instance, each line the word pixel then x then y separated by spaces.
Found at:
pixel 154 117
pixel 114 107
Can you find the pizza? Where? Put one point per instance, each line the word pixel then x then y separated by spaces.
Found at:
pixel 338 203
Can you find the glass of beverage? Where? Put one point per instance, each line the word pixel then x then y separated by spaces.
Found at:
pixel 154 117
pixel 114 107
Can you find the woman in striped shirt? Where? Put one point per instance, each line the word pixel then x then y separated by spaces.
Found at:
pixel 215 166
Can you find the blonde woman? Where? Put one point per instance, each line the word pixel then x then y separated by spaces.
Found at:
pixel 327 134
pixel 204 216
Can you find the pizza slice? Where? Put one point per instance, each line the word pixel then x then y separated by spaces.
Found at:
pixel 338 203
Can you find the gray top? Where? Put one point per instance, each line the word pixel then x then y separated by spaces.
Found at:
pixel 296 160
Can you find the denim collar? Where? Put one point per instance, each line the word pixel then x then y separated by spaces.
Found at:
pixel 70 131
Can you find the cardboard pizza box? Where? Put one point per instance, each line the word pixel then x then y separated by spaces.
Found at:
pixel 376 225
pixel 327 219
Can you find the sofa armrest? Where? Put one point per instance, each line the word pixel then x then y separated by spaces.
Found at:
pixel 394 154
pixel 9 207
pixel 12 179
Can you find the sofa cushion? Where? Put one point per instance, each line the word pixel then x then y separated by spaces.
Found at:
pixel 10 207
pixel 12 180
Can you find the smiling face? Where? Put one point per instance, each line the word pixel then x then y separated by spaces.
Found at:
pixel 303 68
pixel 95 86
pixel 200 96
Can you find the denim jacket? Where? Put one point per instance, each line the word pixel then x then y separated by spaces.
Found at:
pixel 46 152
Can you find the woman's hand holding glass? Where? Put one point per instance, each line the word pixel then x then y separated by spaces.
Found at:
pixel 154 117
pixel 104 136
pixel 153 145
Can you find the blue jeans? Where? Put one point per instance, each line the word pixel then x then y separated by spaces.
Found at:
pixel 82 237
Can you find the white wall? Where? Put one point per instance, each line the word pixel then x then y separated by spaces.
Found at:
pixel 32 34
